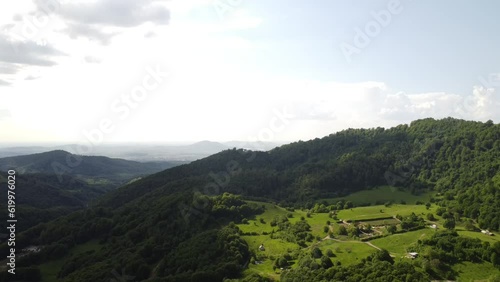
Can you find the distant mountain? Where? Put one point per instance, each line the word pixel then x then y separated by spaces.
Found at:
pixel 255 146
pixel 146 152
pixel 23 150
pixel 205 147
pixel 55 183
pixel 91 169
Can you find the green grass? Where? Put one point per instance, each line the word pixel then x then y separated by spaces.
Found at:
pixel 382 194
pixel 347 252
pixel 397 244
pixel 468 271
pixel 379 222
pixel 274 248
pixel 381 211
pixel 317 221
pixel 50 269
pixel 479 235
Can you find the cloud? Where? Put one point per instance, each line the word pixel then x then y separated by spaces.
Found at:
pixel 6 68
pixel 89 19
pixel 4 114
pixel 76 30
pixel 120 13
pixel 481 104
pixel 366 104
pixel 25 53
pixel 31 77
pixel 92 60
pixel 16 55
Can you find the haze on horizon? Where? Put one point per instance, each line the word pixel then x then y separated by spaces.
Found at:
pixel 171 71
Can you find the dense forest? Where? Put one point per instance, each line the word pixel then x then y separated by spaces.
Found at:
pixel 56 183
pixel 179 224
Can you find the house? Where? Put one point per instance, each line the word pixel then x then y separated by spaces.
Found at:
pixel 261 247
pixel 487 232
pixel 412 255
pixel 433 226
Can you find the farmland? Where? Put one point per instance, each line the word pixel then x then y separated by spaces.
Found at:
pixel 347 250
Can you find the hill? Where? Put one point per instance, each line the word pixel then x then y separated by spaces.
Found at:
pixel 55 183
pixel 175 225
pixel 91 169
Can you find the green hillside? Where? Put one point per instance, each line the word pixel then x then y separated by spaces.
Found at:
pixel 299 201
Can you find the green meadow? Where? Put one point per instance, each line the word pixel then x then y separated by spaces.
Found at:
pixel 381 211
pixel 347 250
pixel 477 272
pixel 381 195
pixel 398 244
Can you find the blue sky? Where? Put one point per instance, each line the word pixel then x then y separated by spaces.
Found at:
pixel 96 71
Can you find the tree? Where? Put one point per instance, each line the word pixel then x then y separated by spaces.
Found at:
pixel 316 253
pixel 383 255
pixel 353 231
pixel 348 205
pixel 391 229
pixel 449 223
pixel 330 253
pixel 440 211
pixel 280 262
pixel 326 262
pixel 342 230
pixel 469 225
pixel 495 259
pixel 430 217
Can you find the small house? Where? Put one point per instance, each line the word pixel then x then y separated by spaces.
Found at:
pixel 412 255
pixel 261 247
pixel 487 232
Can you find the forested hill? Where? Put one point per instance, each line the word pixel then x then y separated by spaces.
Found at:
pixel 458 158
pixel 57 163
pixel 163 228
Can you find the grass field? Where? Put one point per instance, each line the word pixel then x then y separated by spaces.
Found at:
pixel 468 271
pixel 398 244
pixel 381 211
pixel 347 252
pixel 479 235
pixel 379 222
pixel 50 269
pixel 381 195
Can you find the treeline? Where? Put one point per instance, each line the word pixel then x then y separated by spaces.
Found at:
pixel 150 237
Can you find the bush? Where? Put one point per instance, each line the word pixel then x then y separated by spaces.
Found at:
pixel 316 253
pixel 330 253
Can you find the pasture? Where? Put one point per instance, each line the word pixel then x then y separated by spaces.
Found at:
pixel 381 195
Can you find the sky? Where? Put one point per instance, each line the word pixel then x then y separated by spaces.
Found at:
pixel 98 71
